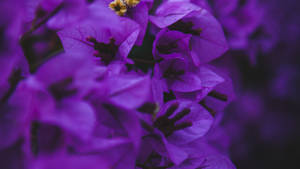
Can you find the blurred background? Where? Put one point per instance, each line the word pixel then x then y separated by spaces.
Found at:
pixel 263 122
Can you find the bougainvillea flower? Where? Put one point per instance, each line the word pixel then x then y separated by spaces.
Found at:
pixel 207 42
pixel 177 123
pixel 209 80
pixel 11 72
pixel 14 113
pixel 66 16
pixel 123 118
pixel 65 161
pixel 191 121
pixel 116 135
pixel 128 90
pixel 184 81
pixel 43 139
pixel 114 140
pixel 202 3
pixel 220 96
pixel 174 75
pixel 159 152
pixel 108 42
pixel 58 13
pixel 14 97
pixel 171 44
pixel 10 25
pixel 140 15
pixel 11 54
pixel 137 10
pixel 202 155
pixel 119 156
pixel 59 87
pixel 51 142
pixel 170 12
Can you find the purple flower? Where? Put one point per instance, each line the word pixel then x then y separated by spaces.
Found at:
pixel 191 121
pixel 174 75
pixel 11 55
pixel 60 161
pixel 58 13
pixel 85 123
pixel 14 97
pixel 207 42
pixel 135 10
pixel 171 44
pixel 14 113
pixel 202 3
pixel 140 15
pixel 13 69
pixel 59 87
pixel 127 90
pixel 116 135
pixel 209 81
pixel 217 99
pixel 157 152
pixel 177 123
pixel 202 155
pixel 94 37
pixel 185 81
pixel 43 139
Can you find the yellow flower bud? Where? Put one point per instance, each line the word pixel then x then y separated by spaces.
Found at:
pixel 132 3
pixel 119 7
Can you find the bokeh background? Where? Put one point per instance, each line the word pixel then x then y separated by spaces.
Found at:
pixel 263 122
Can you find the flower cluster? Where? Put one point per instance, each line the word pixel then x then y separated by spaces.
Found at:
pixel 105 84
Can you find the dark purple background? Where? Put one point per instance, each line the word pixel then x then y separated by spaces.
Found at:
pixel 264 120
